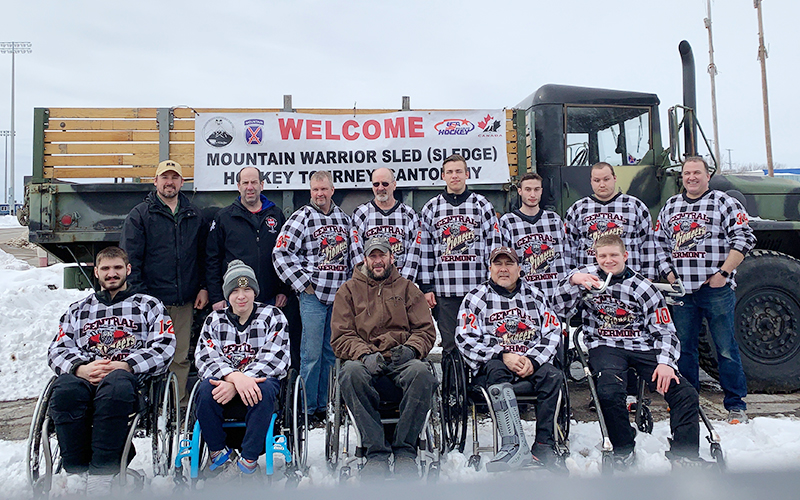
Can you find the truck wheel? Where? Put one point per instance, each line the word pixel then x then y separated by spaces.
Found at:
pixel 767 322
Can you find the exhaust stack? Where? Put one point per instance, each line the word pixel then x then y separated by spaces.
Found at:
pixel 689 98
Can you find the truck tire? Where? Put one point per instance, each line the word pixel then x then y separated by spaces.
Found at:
pixel 767 322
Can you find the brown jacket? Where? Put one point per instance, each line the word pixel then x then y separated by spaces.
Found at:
pixel 375 316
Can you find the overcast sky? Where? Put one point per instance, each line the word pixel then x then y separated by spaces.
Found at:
pixel 444 54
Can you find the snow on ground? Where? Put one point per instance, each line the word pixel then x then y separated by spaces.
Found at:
pixel 32 301
pixel 9 221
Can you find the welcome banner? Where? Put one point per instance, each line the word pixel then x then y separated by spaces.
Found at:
pixel 289 147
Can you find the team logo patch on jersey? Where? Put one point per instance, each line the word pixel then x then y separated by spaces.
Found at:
pixel 272 224
pixel 688 230
pixel 615 318
pixel 602 224
pixel 332 247
pixel 252 131
pixel 240 355
pixel 515 329
pixel 218 132
pixel 392 234
pixel 112 343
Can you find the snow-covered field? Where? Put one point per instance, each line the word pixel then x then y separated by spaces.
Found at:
pixel 32 300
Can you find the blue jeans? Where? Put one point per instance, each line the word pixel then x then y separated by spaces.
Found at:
pixel 316 354
pixel 716 305
pixel 257 418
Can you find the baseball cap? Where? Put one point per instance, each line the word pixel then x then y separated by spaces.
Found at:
pixel 167 165
pixel 504 251
pixel 379 243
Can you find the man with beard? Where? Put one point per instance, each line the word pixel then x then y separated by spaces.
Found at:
pixel 459 230
pixel 388 218
pixel 104 343
pixel 247 230
pixel 537 236
pixel 508 334
pixel 312 256
pixel 165 238
pixel 628 326
pixel 382 327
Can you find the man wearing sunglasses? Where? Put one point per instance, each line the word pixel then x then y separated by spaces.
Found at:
pixel 388 218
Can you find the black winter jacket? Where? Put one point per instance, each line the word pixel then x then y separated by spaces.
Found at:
pixel 236 233
pixel 167 253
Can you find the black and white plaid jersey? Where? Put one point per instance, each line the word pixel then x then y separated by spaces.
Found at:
pixel 697 235
pixel 136 329
pixel 540 243
pixel 491 323
pixel 261 349
pixel 624 215
pixel 456 243
pixel 313 249
pixel 630 314
pixel 399 225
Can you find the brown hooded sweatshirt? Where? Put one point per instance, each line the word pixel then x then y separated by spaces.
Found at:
pixel 375 316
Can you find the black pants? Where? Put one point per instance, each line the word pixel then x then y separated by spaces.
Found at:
pixel 446 315
pixel 360 393
pixel 610 365
pixel 546 383
pixel 92 421
pixel 292 312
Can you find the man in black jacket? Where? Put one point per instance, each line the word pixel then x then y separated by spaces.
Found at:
pixel 165 238
pixel 246 230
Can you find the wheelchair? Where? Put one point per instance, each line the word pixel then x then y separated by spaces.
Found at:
pixel 462 398
pixel 345 454
pixel 287 436
pixel 157 417
pixel 643 418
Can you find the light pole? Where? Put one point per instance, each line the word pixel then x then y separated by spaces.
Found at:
pixel 5 133
pixel 13 48
pixel 762 56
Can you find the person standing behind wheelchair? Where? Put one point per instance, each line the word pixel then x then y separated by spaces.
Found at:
pixel 103 343
pixel 508 333
pixel 382 326
pixel 242 354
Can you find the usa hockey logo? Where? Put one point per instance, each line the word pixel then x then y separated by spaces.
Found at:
pixel 272 224
pixel 253 134
pixel 218 132
pixel 615 317
pixel 454 126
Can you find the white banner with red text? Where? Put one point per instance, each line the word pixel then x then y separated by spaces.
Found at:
pixel 289 147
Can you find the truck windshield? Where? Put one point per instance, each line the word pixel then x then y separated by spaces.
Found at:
pixel 613 134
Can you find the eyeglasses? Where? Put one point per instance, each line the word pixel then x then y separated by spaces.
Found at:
pixel 384 184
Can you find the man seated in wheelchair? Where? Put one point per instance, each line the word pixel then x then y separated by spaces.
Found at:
pixel 629 325
pixel 382 327
pixel 508 333
pixel 105 342
pixel 242 354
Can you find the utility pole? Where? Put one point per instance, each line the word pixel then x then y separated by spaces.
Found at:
pixel 712 71
pixel 5 134
pixel 13 48
pixel 762 56
pixel 730 163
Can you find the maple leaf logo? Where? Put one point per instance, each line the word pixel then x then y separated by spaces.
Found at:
pixel 483 123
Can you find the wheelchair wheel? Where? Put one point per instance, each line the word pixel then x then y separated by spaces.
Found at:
pixel 192 439
pixel 295 415
pixel 165 428
pixel 562 421
pixel 333 419
pixel 454 401
pixel 43 453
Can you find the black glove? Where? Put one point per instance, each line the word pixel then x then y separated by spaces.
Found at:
pixel 402 354
pixel 374 362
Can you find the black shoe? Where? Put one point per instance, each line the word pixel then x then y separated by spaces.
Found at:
pixel 545 456
pixel 623 461
pixel 684 462
pixel 405 466
pixel 317 419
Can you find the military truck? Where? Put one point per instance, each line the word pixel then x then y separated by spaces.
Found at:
pixel 558 131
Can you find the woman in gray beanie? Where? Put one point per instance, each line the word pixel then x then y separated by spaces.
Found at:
pixel 242 354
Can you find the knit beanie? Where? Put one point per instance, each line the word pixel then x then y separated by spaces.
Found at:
pixel 238 275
